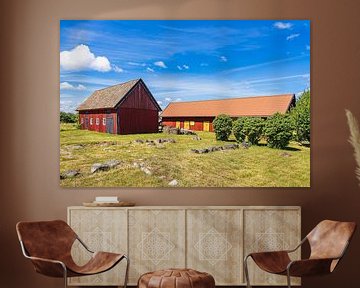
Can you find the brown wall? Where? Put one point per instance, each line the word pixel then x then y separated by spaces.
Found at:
pixel 29 111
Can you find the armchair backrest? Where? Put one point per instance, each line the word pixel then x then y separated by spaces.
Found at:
pixel 46 239
pixel 329 239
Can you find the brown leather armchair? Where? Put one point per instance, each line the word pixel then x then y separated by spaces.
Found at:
pixel 48 245
pixel 328 242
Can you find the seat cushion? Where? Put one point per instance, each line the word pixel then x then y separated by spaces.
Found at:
pixel 176 278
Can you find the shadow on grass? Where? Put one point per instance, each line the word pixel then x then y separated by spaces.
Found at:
pixel 286 148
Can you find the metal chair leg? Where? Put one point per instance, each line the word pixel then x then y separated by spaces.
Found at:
pixel 65 275
pixel 246 270
pixel 127 271
pixel 288 278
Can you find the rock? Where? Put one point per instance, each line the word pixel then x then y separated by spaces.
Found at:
pixel 285 154
pixel 112 163
pixel 206 150
pixel 150 143
pixel 230 146
pixel 172 130
pixel 171 140
pixel 173 183
pixel 69 174
pixel 146 170
pixel 187 132
pixel 139 141
pixel 195 151
pixel 245 145
pixel 136 165
pixel 196 137
pixel 99 167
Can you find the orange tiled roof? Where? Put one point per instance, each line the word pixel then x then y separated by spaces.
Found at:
pixel 235 107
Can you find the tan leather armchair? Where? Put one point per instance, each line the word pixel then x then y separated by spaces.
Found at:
pixel 48 245
pixel 328 242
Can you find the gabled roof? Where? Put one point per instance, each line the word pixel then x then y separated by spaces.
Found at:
pixel 110 97
pixel 261 106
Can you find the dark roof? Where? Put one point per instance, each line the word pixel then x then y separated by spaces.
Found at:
pixel 261 106
pixel 110 97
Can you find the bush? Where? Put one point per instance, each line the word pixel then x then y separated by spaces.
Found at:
pixel 278 130
pixel 68 117
pixel 253 128
pixel 222 127
pixel 300 116
pixel 238 130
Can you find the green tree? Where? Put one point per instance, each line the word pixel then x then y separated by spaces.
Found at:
pixel 68 117
pixel 253 128
pixel 222 126
pixel 300 116
pixel 238 129
pixel 278 130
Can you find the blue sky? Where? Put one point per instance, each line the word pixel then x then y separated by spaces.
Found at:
pixel 184 60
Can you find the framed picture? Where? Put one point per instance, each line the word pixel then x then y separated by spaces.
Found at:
pixel 185 103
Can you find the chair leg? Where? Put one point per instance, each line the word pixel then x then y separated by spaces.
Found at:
pixel 65 276
pixel 288 278
pixel 126 271
pixel 246 270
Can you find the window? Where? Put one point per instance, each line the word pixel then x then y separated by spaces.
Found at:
pixel 90 120
pixel 104 121
pixel 82 120
pixel 97 121
pixel 192 123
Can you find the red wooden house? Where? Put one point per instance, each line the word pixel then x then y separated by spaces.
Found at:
pixel 126 108
pixel 198 115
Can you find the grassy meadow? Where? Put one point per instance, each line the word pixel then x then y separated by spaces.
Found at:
pixel 257 166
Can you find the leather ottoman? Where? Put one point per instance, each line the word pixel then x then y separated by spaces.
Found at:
pixel 176 278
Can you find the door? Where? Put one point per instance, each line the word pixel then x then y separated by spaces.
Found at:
pixel 109 125
pixel 177 124
pixel 206 126
pixel 86 122
pixel 186 125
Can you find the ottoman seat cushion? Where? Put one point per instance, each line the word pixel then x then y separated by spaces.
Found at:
pixel 176 278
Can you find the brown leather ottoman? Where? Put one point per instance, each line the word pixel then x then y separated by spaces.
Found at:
pixel 176 278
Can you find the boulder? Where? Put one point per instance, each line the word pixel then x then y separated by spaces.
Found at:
pixel 196 137
pixel 230 146
pixel 69 174
pixel 112 163
pixel 99 167
pixel 173 183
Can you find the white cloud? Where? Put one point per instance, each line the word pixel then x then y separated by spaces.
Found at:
pixel 136 64
pixel 81 58
pixel 168 99
pixel 283 25
pixel 292 36
pixel 160 64
pixel 159 102
pixel 177 100
pixel 117 69
pixel 186 67
pixel 223 59
pixel 307 47
pixel 149 69
pixel 68 86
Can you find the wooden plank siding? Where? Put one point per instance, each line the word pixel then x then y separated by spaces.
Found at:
pixel 197 121
pixel 136 112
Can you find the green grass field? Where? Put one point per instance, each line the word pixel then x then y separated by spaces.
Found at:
pixel 257 166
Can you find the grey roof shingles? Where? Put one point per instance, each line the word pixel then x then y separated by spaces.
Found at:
pixel 108 97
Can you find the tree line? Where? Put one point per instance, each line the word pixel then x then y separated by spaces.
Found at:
pixel 278 130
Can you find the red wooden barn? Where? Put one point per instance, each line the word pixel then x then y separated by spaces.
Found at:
pixel 198 115
pixel 126 108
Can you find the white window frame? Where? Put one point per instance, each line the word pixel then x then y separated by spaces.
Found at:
pixel 91 122
pixel 82 120
pixel 97 121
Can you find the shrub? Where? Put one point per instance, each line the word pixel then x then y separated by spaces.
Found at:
pixel 238 130
pixel 278 130
pixel 253 128
pixel 68 117
pixel 300 116
pixel 222 126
